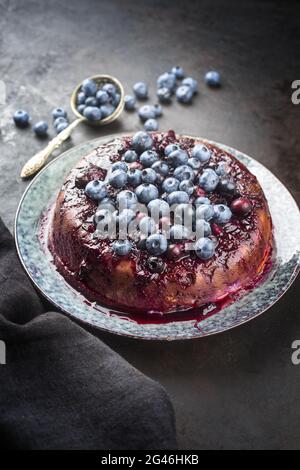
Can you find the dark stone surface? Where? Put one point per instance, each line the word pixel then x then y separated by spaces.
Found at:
pixel 238 389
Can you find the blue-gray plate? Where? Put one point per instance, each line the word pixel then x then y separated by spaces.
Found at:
pixel 39 267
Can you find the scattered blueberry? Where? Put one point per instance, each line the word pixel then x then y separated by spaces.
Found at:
pixel 140 90
pixel 92 113
pixel 158 110
pixel 170 184
pixel 60 120
pixel 59 112
pixel 119 166
pixel 96 190
pixel 184 94
pixel 89 87
pixel 106 110
pixel 187 186
pixel 192 83
pixel 204 248
pixel 146 112
pixel 146 192
pixel 127 199
pixel 201 152
pixel 208 180
pixel 134 177
pixel 179 232
pixel 167 80
pixel 222 214
pixel 159 208
pixel 161 168
pixel 178 157
pixel 156 244
pixel 148 158
pixel 21 118
pixel 129 102
pixel 178 72
pixel 184 172
pixel 117 179
pixel 151 125
pixel 102 97
pixel 213 79
pixel 40 129
pixel 122 247
pixel 149 175
pixel 147 226
pixel 164 95
pixel 177 197
pixel 141 141
pixel 61 127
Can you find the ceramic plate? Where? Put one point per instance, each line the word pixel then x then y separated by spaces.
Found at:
pixel 44 188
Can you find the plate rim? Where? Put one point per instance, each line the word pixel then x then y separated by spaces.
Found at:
pixel 148 337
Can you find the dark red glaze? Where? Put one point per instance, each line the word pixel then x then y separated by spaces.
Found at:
pixel 185 282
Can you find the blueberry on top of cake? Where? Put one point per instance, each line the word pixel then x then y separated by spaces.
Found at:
pixel 156 222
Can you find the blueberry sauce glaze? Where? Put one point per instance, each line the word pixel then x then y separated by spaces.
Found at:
pixel 177 282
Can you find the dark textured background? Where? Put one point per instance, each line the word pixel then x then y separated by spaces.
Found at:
pixel 238 389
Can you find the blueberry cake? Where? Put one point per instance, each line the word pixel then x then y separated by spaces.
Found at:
pixel 160 223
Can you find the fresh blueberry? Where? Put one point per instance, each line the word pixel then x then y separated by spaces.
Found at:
pixel 184 214
pixel 184 172
pixel 167 80
pixel 147 226
pixel 194 163
pixel 127 199
pixel 129 102
pixel 61 127
pixel 108 204
pixel 177 197
pixel 81 108
pixel 202 200
pixel 202 228
pixel 102 218
pixel 106 110
pixel 146 112
pixel 187 186
pixel 59 112
pixel 40 129
pixel 89 87
pixel 148 158
pixel 226 187
pixel 92 113
pixel 158 110
pixel 184 94
pixel 164 95
pixel 192 83
pixel 208 180
pixel 119 166
pixel 161 168
pixel 149 175
pixel 170 185
pixel 222 214
pixel 117 179
pixel 124 218
pixel 146 192
pixel 121 247
pixel 213 79
pixel 221 169
pixel 110 89
pixel 178 72
pixel 205 211
pixel 156 244
pixel 171 148
pixel 102 97
pixel 21 118
pixel 80 98
pixel 201 152
pixel 204 248
pixel 140 90
pixel 179 232
pixel 60 120
pixel 91 101
pixel 151 125
pixel 178 157
pixel 134 177
pixel 159 208
pixel 130 156
pixel 141 141
pixel 96 190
